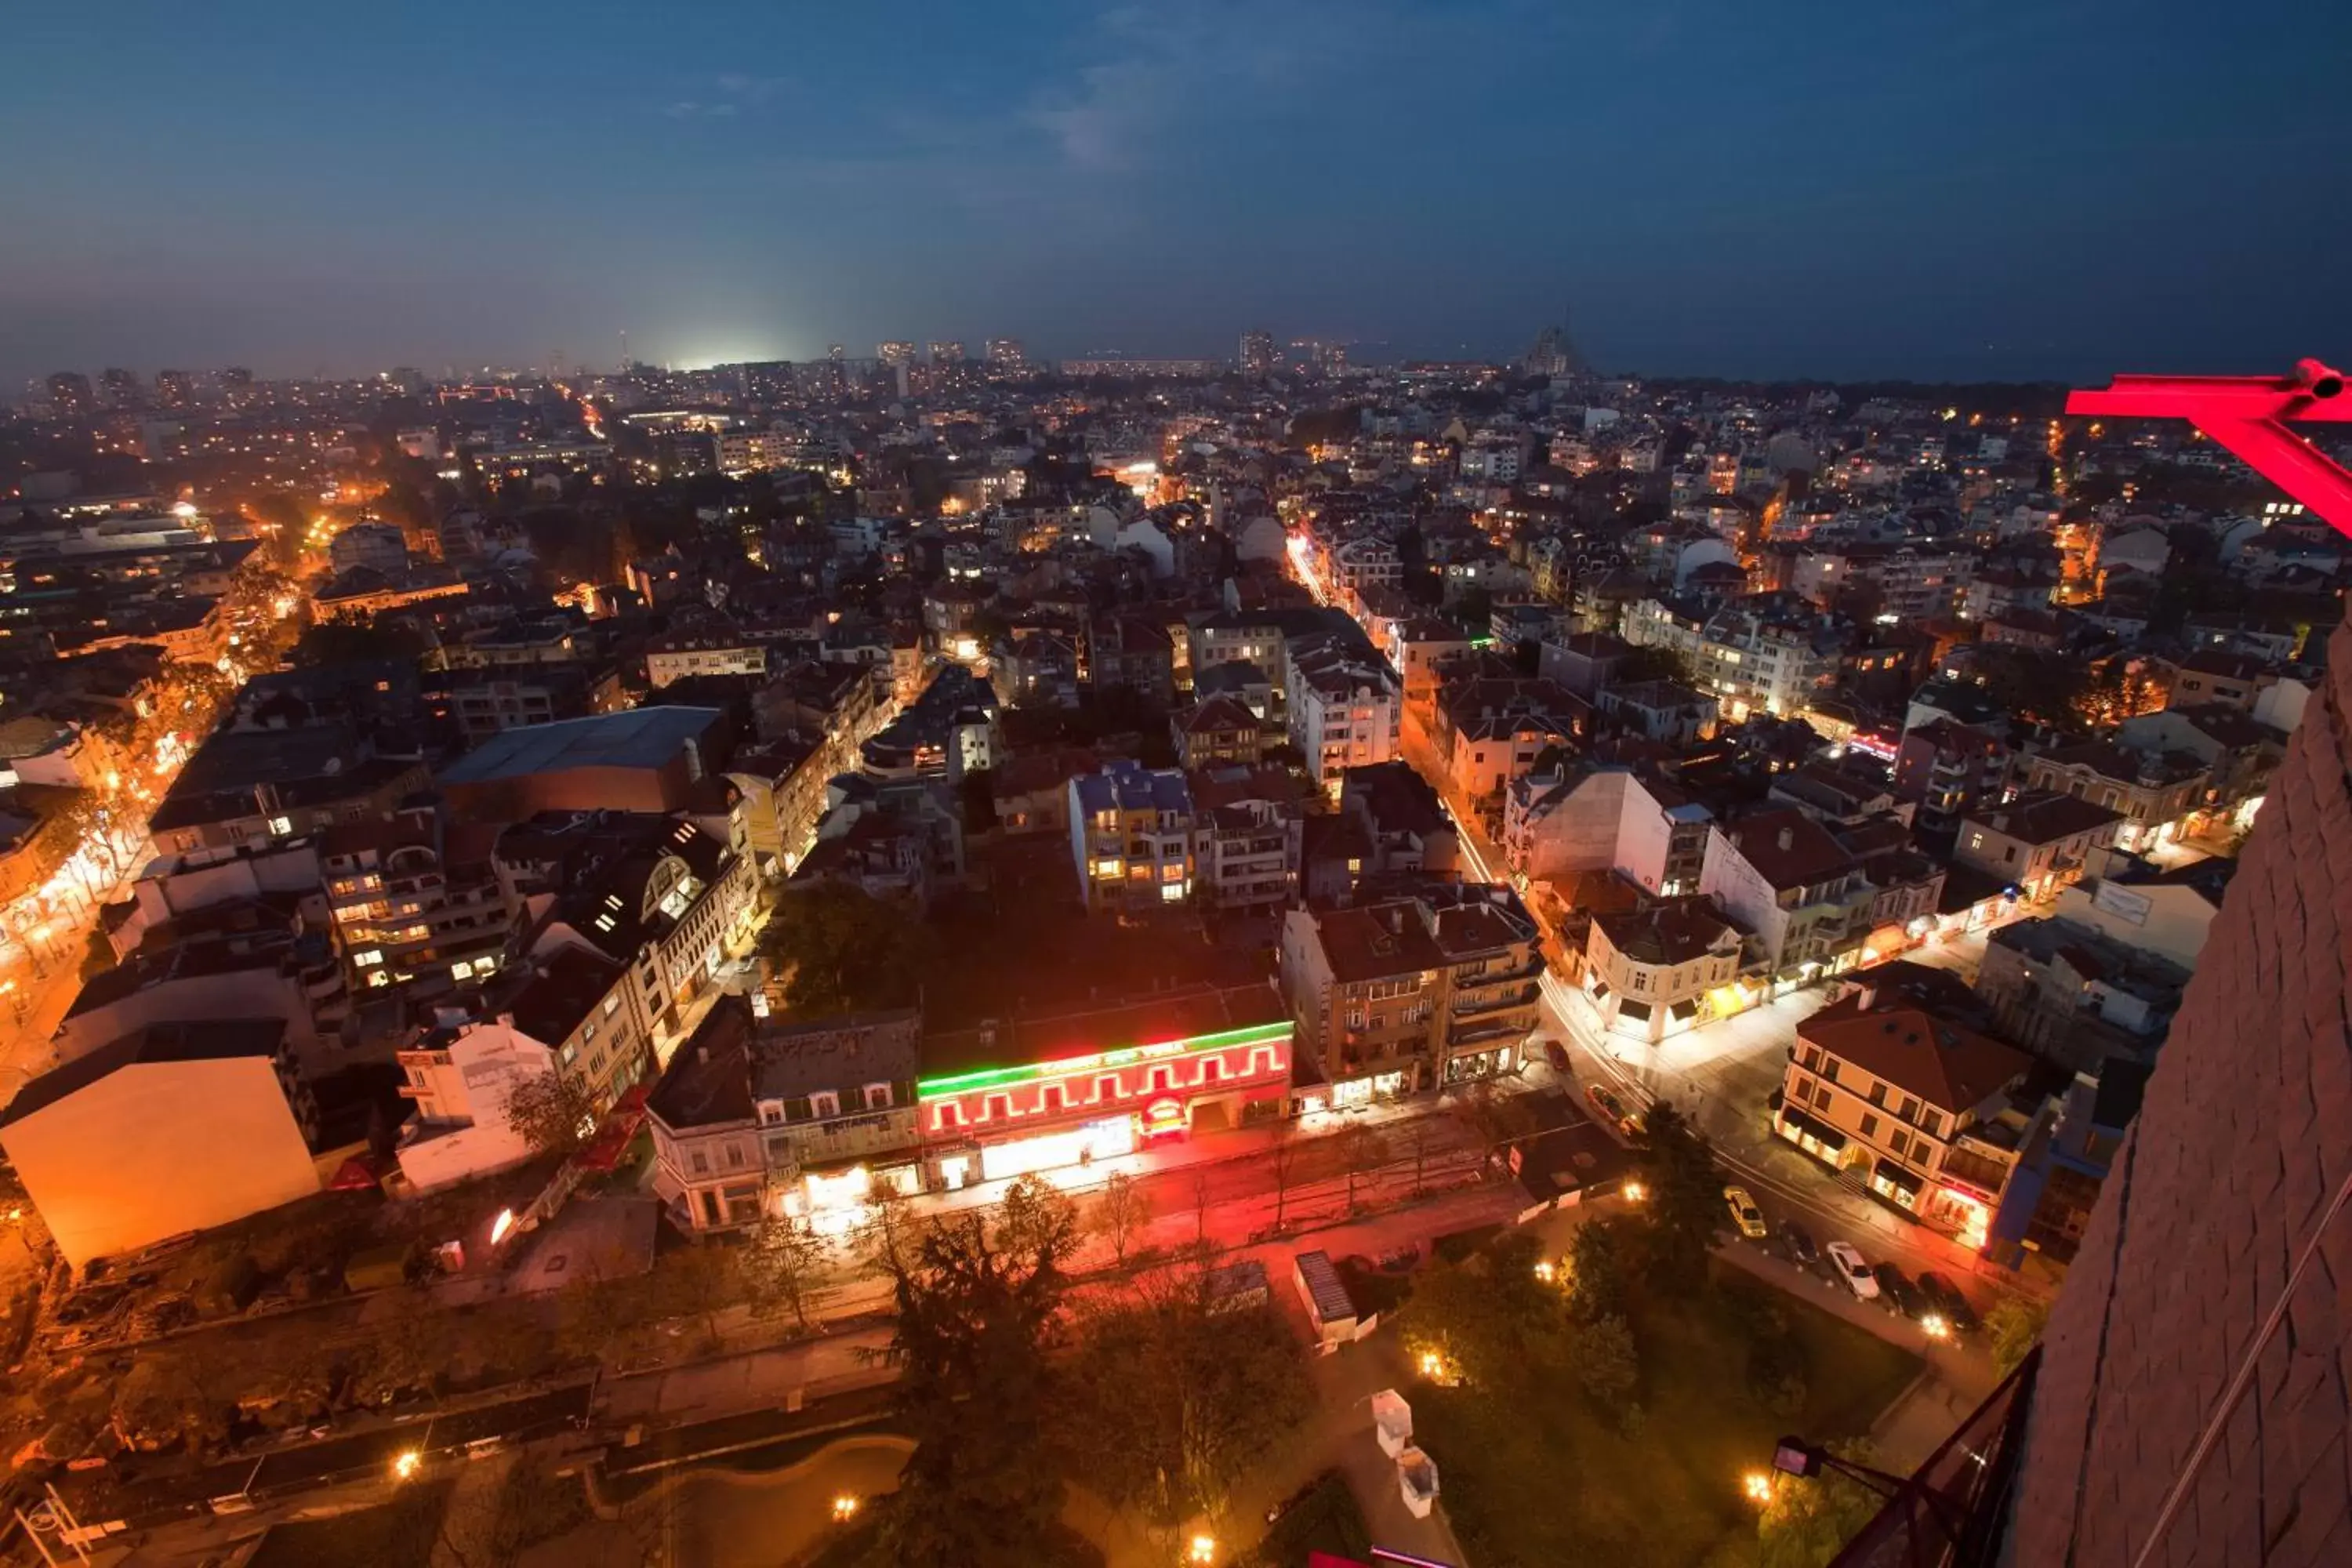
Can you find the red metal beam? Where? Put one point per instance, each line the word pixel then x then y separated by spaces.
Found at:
pixel 2248 414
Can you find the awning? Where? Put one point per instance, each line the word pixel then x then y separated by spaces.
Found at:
pixel 1820 1131
pixel 1681 1011
pixel 1637 1011
pixel 1899 1177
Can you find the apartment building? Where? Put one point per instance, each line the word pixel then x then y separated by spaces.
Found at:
pixel 1656 972
pixel 1931 1116
pixel 416 900
pixel 1797 892
pixel 1947 769
pixel 752 1122
pixel 1131 836
pixel 2154 790
pixel 2037 843
pixel 1344 708
pixel 1403 994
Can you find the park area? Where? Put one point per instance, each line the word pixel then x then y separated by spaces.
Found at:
pixel 1582 1419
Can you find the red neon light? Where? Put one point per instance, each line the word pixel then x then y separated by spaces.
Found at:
pixel 2248 414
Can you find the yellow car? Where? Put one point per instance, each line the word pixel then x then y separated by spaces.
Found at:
pixel 1745 1214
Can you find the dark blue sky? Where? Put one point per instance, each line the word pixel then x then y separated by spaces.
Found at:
pixel 1942 190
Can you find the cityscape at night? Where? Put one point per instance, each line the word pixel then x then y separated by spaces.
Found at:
pixel 1284 787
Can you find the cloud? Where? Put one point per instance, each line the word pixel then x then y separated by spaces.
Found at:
pixel 733 92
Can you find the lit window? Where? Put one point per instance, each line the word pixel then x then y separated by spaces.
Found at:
pixel 366 959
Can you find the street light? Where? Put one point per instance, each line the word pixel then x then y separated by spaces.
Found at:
pixel 1635 1192
pixel 1759 1487
pixel 844 1509
pixel 1205 1549
pixel 404 1465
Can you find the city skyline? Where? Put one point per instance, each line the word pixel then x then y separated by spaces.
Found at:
pixel 2041 195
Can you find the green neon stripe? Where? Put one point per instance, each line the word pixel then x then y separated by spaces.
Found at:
pixel 1255 1034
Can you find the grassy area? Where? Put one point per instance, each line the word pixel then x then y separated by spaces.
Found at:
pixel 1536 1473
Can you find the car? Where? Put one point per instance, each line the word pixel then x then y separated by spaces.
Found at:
pixel 1802 1252
pixel 1900 1295
pixel 1745 1214
pixel 1949 1303
pixel 1850 1268
pixel 1604 1100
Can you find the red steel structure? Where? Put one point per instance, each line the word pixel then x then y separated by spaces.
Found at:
pixel 2248 414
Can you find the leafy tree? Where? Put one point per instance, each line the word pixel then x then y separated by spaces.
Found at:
pixel 976 1332
pixel 1652 664
pixel 1489 1316
pixel 1037 1223
pixel 699 1281
pixel 842 949
pixel 1598 1265
pixel 2014 1326
pixel 1122 1213
pixel 1808 1521
pixel 1177 1403
pixel 783 1266
pixel 1685 1197
pixel 1606 1362
pixel 553 1113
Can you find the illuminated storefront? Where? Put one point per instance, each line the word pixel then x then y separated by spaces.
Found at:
pixel 996 1122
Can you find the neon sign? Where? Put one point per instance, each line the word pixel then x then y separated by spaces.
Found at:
pixel 993 1077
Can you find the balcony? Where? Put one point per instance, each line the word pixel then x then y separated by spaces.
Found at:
pixel 1480 1006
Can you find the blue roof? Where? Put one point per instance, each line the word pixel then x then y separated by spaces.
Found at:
pixel 639 738
pixel 1125 785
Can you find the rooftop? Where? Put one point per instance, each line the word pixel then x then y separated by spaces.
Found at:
pixel 1945 1065
pixel 638 738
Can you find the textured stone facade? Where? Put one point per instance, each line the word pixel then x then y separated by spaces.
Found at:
pixel 2243 1142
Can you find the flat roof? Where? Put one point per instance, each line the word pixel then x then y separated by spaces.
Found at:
pixel 636 738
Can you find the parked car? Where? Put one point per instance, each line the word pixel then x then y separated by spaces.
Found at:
pixel 1948 1302
pixel 1802 1252
pixel 1900 1295
pixel 1605 1100
pixel 1745 1214
pixel 1850 1266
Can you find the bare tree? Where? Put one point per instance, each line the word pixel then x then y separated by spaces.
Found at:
pixel 1199 1206
pixel 1361 1148
pixel 1282 1164
pixel 1036 1222
pixel 783 1267
pixel 1122 1213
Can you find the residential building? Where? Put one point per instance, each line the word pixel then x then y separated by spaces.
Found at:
pixel 708 644
pixel 2169 913
pixel 1407 993
pixel 1219 729
pixel 460 1082
pixel 171 1128
pixel 1932 1115
pixel 1656 972
pixel 1248 836
pixel 2077 995
pixel 753 1122
pixel 1488 731
pixel 2037 842
pixel 1666 712
pixel 416 901
pixel 1131 837
pixel 1647 828
pixel 1802 898
pixel 895 838
pixel 1947 770
pixel 2155 791
pixel 1404 826
pixel 1344 706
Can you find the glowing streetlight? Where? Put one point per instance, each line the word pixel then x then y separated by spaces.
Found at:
pixel 1936 1327
pixel 1759 1487
pixel 1205 1549
pixel 1545 1271
pixel 1635 1192
pixel 405 1464
pixel 844 1509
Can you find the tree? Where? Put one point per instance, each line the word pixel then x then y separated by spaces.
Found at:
pixel 1606 1363
pixel 842 949
pixel 1598 1267
pixel 2014 1326
pixel 1361 1148
pixel 1122 1213
pixel 699 1281
pixel 1177 1403
pixel 1685 1197
pixel 1651 663
pixel 553 1113
pixel 1036 1222
pixel 974 1342
pixel 1491 1116
pixel 783 1266
pixel 1808 1521
pixel 1281 1164
pixel 1489 1316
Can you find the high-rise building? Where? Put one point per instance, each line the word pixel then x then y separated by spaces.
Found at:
pixel 1257 354
pixel 236 386
pixel 895 352
pixel 70 395
pixel 174 389
pixel 1005 353
pixel 947 351
pixel 119 388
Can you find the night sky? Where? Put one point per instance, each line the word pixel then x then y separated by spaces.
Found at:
pixel 1923 188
